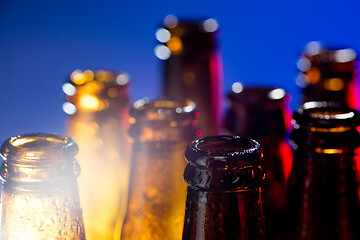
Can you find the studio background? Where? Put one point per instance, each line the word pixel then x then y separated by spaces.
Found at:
pixel 42 42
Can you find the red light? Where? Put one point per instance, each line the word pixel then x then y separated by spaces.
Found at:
pixel 198 133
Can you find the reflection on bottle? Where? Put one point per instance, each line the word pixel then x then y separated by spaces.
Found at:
pixel 193 67
pixel 160 130
pixel 324 183
pixel 224 177
pixel 97 106
pixel 40 197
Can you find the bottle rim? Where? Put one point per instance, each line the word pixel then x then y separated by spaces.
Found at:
pixel 224 151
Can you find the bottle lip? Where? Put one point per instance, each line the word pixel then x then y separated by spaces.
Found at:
pixel 319 116
pixel 39 157
pixel 162 109
pixel 224 151
pixel 38 147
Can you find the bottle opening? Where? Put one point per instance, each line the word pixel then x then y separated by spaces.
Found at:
pixel 225 145
pixel 38 146
pixel 224 151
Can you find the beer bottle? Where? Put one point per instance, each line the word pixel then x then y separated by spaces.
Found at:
pixel 324 186
pixel 192 67
pixel 224 177
pixel 328 74
pixel 160 131
pixel 262 113
pixel 40 197
pixel 97 108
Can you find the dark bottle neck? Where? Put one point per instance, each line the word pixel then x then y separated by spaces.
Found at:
pixel 323 193
pixel 258 112
pixel 224 177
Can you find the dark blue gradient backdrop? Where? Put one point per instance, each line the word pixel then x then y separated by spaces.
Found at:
pixel 42 42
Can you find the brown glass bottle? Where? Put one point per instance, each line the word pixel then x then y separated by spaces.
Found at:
pixel 97 108
pixel 193 68
pixel 40 197
pixel 328 74
pixel 324 187
pixel 224 178
pixel 160 130
pixel 263 114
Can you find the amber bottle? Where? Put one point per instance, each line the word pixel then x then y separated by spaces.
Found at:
pixel 193 68
pixel 160 130
pixel 97 108
pixel 40 197
pixel 324 183
pixel 328 74
pixel 263 114
pixel 224 177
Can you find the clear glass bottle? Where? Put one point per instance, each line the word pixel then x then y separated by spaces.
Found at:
pixel 263 114
pixel 97 108
pixel 224 177
pixel 328 74
pixel 161 130
pixel 193 67
pixel 324 183
pixel 40 194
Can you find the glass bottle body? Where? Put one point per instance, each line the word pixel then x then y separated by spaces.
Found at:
pixel 40 194
pixel 224 190
pixel 157 192
pixel 194 70
pixel 99 126
pixel 263 114
pixel 324 187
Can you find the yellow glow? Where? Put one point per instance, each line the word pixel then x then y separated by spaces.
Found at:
pixel 334 84
pixel 175 45
pixel 329 130
pixel 78 78
pixel 88 76
pixel 329 150
pixel 132 120
pixel 89 102
pixel 313 75
pixel 22 141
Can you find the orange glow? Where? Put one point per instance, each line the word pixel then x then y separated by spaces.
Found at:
pixel 175 45
pixel 334 84
pixel 329 151
pixel 313 75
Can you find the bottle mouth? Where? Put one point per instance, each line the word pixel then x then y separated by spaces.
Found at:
pixel 224 151
pixel 38 146
pixel 38 157
pixel 163 120
pixel 163 109
pixel 326 117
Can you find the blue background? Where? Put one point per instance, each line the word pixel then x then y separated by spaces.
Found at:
pixel 42 42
